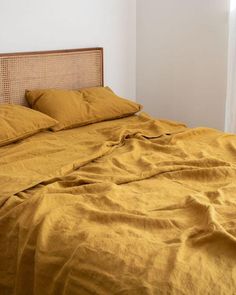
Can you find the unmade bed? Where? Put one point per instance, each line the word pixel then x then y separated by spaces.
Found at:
pixel 130 205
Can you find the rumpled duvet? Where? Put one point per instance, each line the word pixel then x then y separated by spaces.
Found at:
pixel 129 206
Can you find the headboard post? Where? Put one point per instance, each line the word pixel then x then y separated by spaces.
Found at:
pixel 65 69
pixel 4 81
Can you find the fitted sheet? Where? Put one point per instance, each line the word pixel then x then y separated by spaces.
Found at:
pixel 129 206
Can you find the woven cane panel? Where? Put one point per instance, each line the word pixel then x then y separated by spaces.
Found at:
pixel 66 70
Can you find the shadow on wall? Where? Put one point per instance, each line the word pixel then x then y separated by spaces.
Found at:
pixel 182 60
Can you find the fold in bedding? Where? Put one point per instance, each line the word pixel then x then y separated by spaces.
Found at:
pixel 129 206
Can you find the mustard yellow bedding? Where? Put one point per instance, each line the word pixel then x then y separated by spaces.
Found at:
pixel 130 206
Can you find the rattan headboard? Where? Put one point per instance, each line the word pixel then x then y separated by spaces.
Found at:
pixel 67 69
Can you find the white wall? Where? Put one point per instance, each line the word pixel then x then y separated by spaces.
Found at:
pixel 28 25
pixel 230 117
pixel 182 59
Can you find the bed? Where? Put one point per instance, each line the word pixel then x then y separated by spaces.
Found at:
pixel 133 205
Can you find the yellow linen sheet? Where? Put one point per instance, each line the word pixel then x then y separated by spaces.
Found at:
pixel 130 206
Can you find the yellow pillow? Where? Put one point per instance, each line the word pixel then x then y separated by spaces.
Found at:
pixel 74 108
pixel 18 122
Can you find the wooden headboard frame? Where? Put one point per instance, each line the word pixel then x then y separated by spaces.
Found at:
pixel 66 69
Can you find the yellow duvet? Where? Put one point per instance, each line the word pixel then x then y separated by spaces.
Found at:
pixel 130 206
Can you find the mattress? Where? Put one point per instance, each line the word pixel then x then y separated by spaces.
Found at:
pixel 128 206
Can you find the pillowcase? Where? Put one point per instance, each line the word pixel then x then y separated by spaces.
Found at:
pixel 74 108
pixel 18 122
